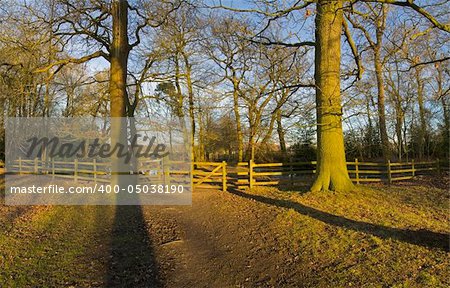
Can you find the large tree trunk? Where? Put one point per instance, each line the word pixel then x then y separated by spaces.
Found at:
pixel 423 124
pixel 398 128
pixel 270 126
pixel 381 104
pixel 399 112
pixel 47 100
pixel 117 85
pixel 445 108
pixel 332 171
pixel 237 115
pixel 370 130
pixel 189 143
pixel 280 132
pixel 250 154
pixel 201 138
pixel 190 100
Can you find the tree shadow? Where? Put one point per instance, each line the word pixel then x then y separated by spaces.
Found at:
pixel 132 260
pixel 420 237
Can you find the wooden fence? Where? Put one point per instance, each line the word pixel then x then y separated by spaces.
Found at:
pixel 204 174
pixel 290 174
pixel 213 174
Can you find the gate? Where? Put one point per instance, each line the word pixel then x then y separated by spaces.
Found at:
pixel 208 174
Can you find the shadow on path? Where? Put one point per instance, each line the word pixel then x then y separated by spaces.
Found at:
pixel 420 237
pixel 132 262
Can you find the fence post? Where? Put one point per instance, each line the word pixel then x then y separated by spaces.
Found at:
pixel 36 167
pixel 162 174
pixel 224 176
pixel 413 168
pixel 94 167
pixel 356 171
pixel 53 168
pixel 167 172
pixel 75 168
pixel 250 173
pixel 20 165
pixel 389 172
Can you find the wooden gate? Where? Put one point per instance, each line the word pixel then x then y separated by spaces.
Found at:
pixel 208 174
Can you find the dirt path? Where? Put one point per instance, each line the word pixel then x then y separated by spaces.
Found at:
pixel 221 241
pixel 244 240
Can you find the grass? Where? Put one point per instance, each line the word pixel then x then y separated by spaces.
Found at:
pixel 374 237
pixel 55 245
pixel 378 236
pixel 74 246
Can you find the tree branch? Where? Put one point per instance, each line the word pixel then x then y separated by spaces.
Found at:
pixel 418 9
pixel 269 42
pixel 352 44
pixel 429 62
pixel 63 62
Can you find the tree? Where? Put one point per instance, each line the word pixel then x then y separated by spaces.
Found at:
pixel 331 163
pixel 332 170
pixel 179 38
pixel 120 49
pixel 376 15
pixel 103 29
pixel 226 48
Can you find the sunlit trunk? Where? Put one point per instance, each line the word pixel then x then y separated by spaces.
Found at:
pixel 117 85
pixel 385 146
pixel 190 100
pixel 332 171
pixel 237 115
pixel 423 125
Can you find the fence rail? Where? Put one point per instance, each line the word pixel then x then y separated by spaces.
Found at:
pixel 208 174
pixel 204 175
pixel 260 174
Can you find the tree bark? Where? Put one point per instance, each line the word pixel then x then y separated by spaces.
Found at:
pixel 280 132
pixel 399 111
pixel 332 171
pixel 201 138
pixel 237 115
pixel 118 85
pixel 190 100
pixel 369 135
pixel 398 128
pixel 189 143
pixel 423 124
pixel 445 108
pixel 250 154
pixel 381 104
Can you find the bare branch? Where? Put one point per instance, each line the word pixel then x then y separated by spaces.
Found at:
pixel 429 62
pixel 275 14
pixel 63 62
pixel 418 9
pixel 269 42
pixel 351 43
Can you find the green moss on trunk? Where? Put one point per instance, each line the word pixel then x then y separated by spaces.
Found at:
pixel 332 171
